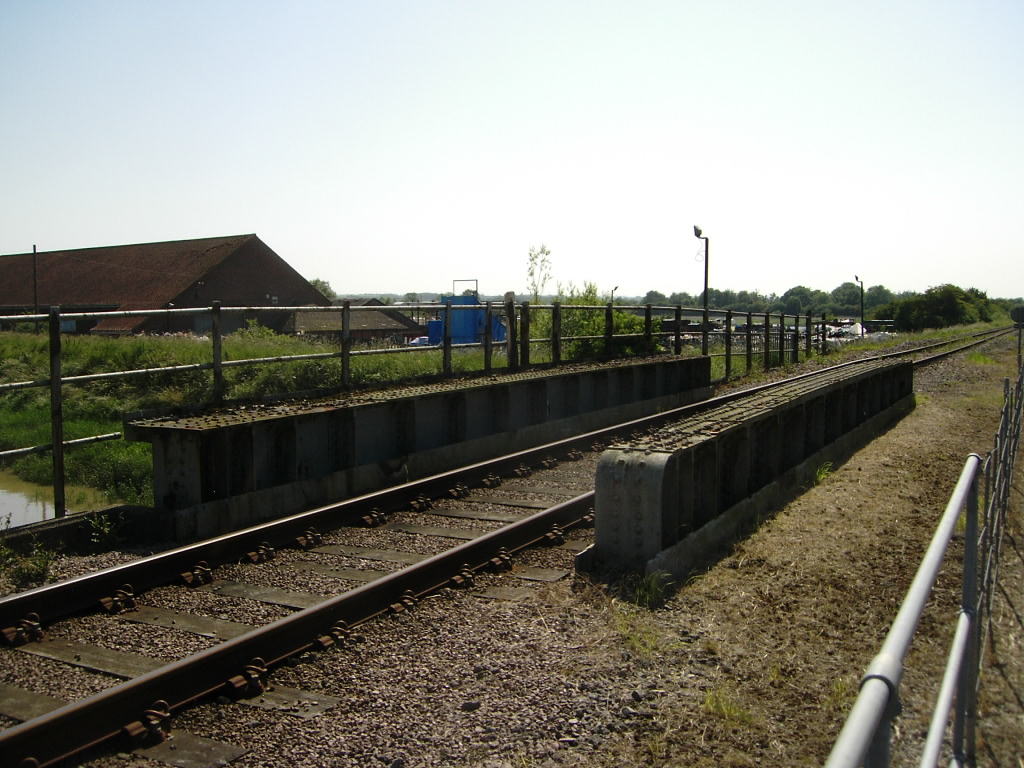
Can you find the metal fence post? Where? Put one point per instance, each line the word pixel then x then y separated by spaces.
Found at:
pixel 346 343
pixel 488 339
pixel 218 353
pixel 966 698
pixel 807 346
pixel 796 339
pixel 524 335
pixel 556 333
pixel 56 414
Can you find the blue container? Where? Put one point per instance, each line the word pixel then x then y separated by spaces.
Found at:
pixel 467 324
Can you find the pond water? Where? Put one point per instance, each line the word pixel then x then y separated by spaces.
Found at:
pixel 22 503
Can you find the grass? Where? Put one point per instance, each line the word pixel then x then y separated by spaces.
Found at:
pixel 822 473
pixel 24 570
pixel 840 695
pixel 721 703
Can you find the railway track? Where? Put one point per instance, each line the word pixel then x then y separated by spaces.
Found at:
pixel 143 640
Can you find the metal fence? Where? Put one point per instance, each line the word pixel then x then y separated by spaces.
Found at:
pixel 775 340
pixel 865 737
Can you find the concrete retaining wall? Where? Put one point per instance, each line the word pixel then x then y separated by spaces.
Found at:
pixel 218 472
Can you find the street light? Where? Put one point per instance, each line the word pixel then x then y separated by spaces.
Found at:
pixel 613 293
pixel 697 232
pixel 861 303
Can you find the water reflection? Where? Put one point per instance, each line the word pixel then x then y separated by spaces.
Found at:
pixel 20 509
pixel 22 503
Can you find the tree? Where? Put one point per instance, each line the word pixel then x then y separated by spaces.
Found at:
pixel 656 298
pixel 538 270
pixel 324 287
pixel 411 298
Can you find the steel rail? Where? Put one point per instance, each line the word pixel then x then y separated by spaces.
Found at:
pixel 99 718
pixel 52 601
pixel 106 711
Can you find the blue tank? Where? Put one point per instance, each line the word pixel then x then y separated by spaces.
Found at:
pixel 468 325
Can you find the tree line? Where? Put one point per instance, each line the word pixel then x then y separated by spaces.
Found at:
pixel 937 307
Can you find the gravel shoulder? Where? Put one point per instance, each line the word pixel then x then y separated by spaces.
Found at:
pixel 755 660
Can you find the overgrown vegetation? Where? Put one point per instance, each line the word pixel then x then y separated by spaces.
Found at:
pixel 24 570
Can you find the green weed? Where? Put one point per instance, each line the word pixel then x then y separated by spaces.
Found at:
pixel 822 473
pixel 105 531
pixel 721 704
pixel 652 589
pixel 840 695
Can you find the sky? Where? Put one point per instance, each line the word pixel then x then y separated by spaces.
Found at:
pixel 391 146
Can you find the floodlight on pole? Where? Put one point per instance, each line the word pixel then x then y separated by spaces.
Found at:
pixel 699 233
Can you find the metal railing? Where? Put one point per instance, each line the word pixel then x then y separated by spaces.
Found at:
pixel 865 737
pixel 771 343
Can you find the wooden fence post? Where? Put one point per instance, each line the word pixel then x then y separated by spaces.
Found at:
pixel 767 341
pixel 678 341
pixel 524 335
pixel 488 338
pixel 648 330
pixel 556 333
pixel 511 343
pixel 782 338
pixel 609 330
pixel 446 340
pixel 728 344
pixel 56 414
pixel 346 343
pixel 750 341
pixel 218 353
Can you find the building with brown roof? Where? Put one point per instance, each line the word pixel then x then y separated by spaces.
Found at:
pixel 237 271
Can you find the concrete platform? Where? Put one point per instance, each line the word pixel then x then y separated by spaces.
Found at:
pixel 240 465
pixel 674 496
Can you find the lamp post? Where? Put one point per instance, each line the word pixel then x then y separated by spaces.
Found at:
pixel 613 293
pixel 861 303
pixel 697 232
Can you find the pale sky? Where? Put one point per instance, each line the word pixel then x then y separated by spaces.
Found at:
pixel 400 146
